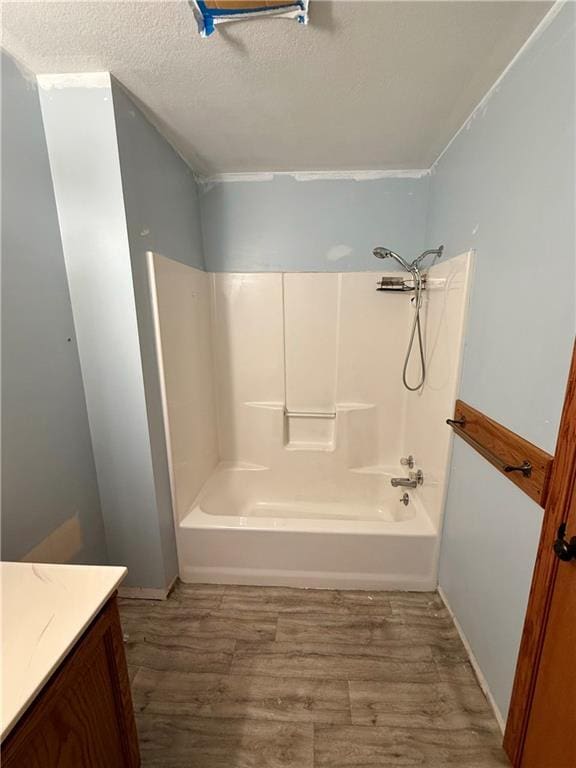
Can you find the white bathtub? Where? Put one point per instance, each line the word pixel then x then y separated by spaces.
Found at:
pixel 254 526
pixel 296 380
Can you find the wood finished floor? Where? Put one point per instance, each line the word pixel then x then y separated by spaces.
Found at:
pixel 266 677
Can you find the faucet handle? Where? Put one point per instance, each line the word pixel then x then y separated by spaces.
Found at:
pixel 407 461
pixel 417 477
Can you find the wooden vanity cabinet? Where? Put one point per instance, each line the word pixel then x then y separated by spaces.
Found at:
pixel 83 716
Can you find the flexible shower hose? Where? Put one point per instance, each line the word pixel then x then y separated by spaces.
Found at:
pixel 415 328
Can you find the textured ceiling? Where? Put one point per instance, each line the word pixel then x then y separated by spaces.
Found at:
pixel 367 85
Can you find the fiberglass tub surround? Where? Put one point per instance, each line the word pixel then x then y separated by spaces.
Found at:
pixel 287 418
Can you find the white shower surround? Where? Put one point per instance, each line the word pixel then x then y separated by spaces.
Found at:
pixel 264 497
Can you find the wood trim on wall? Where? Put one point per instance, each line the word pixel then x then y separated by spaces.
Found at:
pixel 561 487
pixel 502 447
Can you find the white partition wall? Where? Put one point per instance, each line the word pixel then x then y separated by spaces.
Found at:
pixel 249 359
pixel 311 326
pixel 181 302
pixel 312 344
pixel 426 434
pixel 372 340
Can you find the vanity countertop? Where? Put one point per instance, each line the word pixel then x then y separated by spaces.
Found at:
pixel 45 609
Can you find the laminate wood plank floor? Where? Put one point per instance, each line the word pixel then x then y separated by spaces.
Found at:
pixel 267 677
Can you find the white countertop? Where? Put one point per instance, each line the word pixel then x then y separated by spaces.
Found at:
pixel 45 609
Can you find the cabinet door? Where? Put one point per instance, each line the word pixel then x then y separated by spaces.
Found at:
pixel 84 715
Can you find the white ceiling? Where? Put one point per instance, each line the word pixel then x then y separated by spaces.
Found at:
pixel 367 85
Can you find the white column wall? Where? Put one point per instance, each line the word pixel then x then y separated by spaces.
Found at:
pixel 80 131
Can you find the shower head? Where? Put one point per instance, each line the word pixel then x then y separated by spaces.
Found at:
pixel 381 253
pixel 384 253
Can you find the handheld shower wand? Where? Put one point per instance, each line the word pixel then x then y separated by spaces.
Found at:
pixel 413 269
pixel 385 253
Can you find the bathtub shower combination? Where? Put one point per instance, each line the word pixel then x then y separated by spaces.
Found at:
pixel 287 420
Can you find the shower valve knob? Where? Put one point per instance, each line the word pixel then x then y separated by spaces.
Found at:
pixel 417 476
pixel 407 461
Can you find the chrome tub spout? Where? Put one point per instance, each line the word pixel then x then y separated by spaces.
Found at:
pixel 413 481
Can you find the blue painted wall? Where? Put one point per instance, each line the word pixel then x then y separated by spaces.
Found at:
pixel 311 226
pixel 48 472
pixel 505 187
pixel 160 193
pixel 163 216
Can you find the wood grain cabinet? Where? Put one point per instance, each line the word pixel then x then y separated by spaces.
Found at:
pixel 83 717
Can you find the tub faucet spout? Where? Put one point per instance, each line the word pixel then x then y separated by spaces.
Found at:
pixel 404 482
pixel 413 481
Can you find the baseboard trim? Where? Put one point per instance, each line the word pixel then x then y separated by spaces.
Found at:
pixel 147 593
pixel 482 682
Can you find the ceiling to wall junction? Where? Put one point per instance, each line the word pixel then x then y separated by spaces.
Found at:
pixel 367 85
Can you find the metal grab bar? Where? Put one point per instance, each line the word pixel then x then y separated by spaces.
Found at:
pixel 310 414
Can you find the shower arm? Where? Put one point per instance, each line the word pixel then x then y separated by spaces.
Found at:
pixel 436 251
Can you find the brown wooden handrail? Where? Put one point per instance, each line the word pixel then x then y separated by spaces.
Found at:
pixel 522 462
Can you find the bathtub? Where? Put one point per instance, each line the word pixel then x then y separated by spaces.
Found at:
pixel 285 419
pixel 254 525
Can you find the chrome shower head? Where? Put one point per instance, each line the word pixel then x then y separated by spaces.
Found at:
pixel 384 253
pixel 381 253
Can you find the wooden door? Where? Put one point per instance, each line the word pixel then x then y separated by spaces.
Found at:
pixel 541 725
pixel 551 732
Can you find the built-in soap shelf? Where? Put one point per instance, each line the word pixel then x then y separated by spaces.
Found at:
pixel 331 429
pixel 309 430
